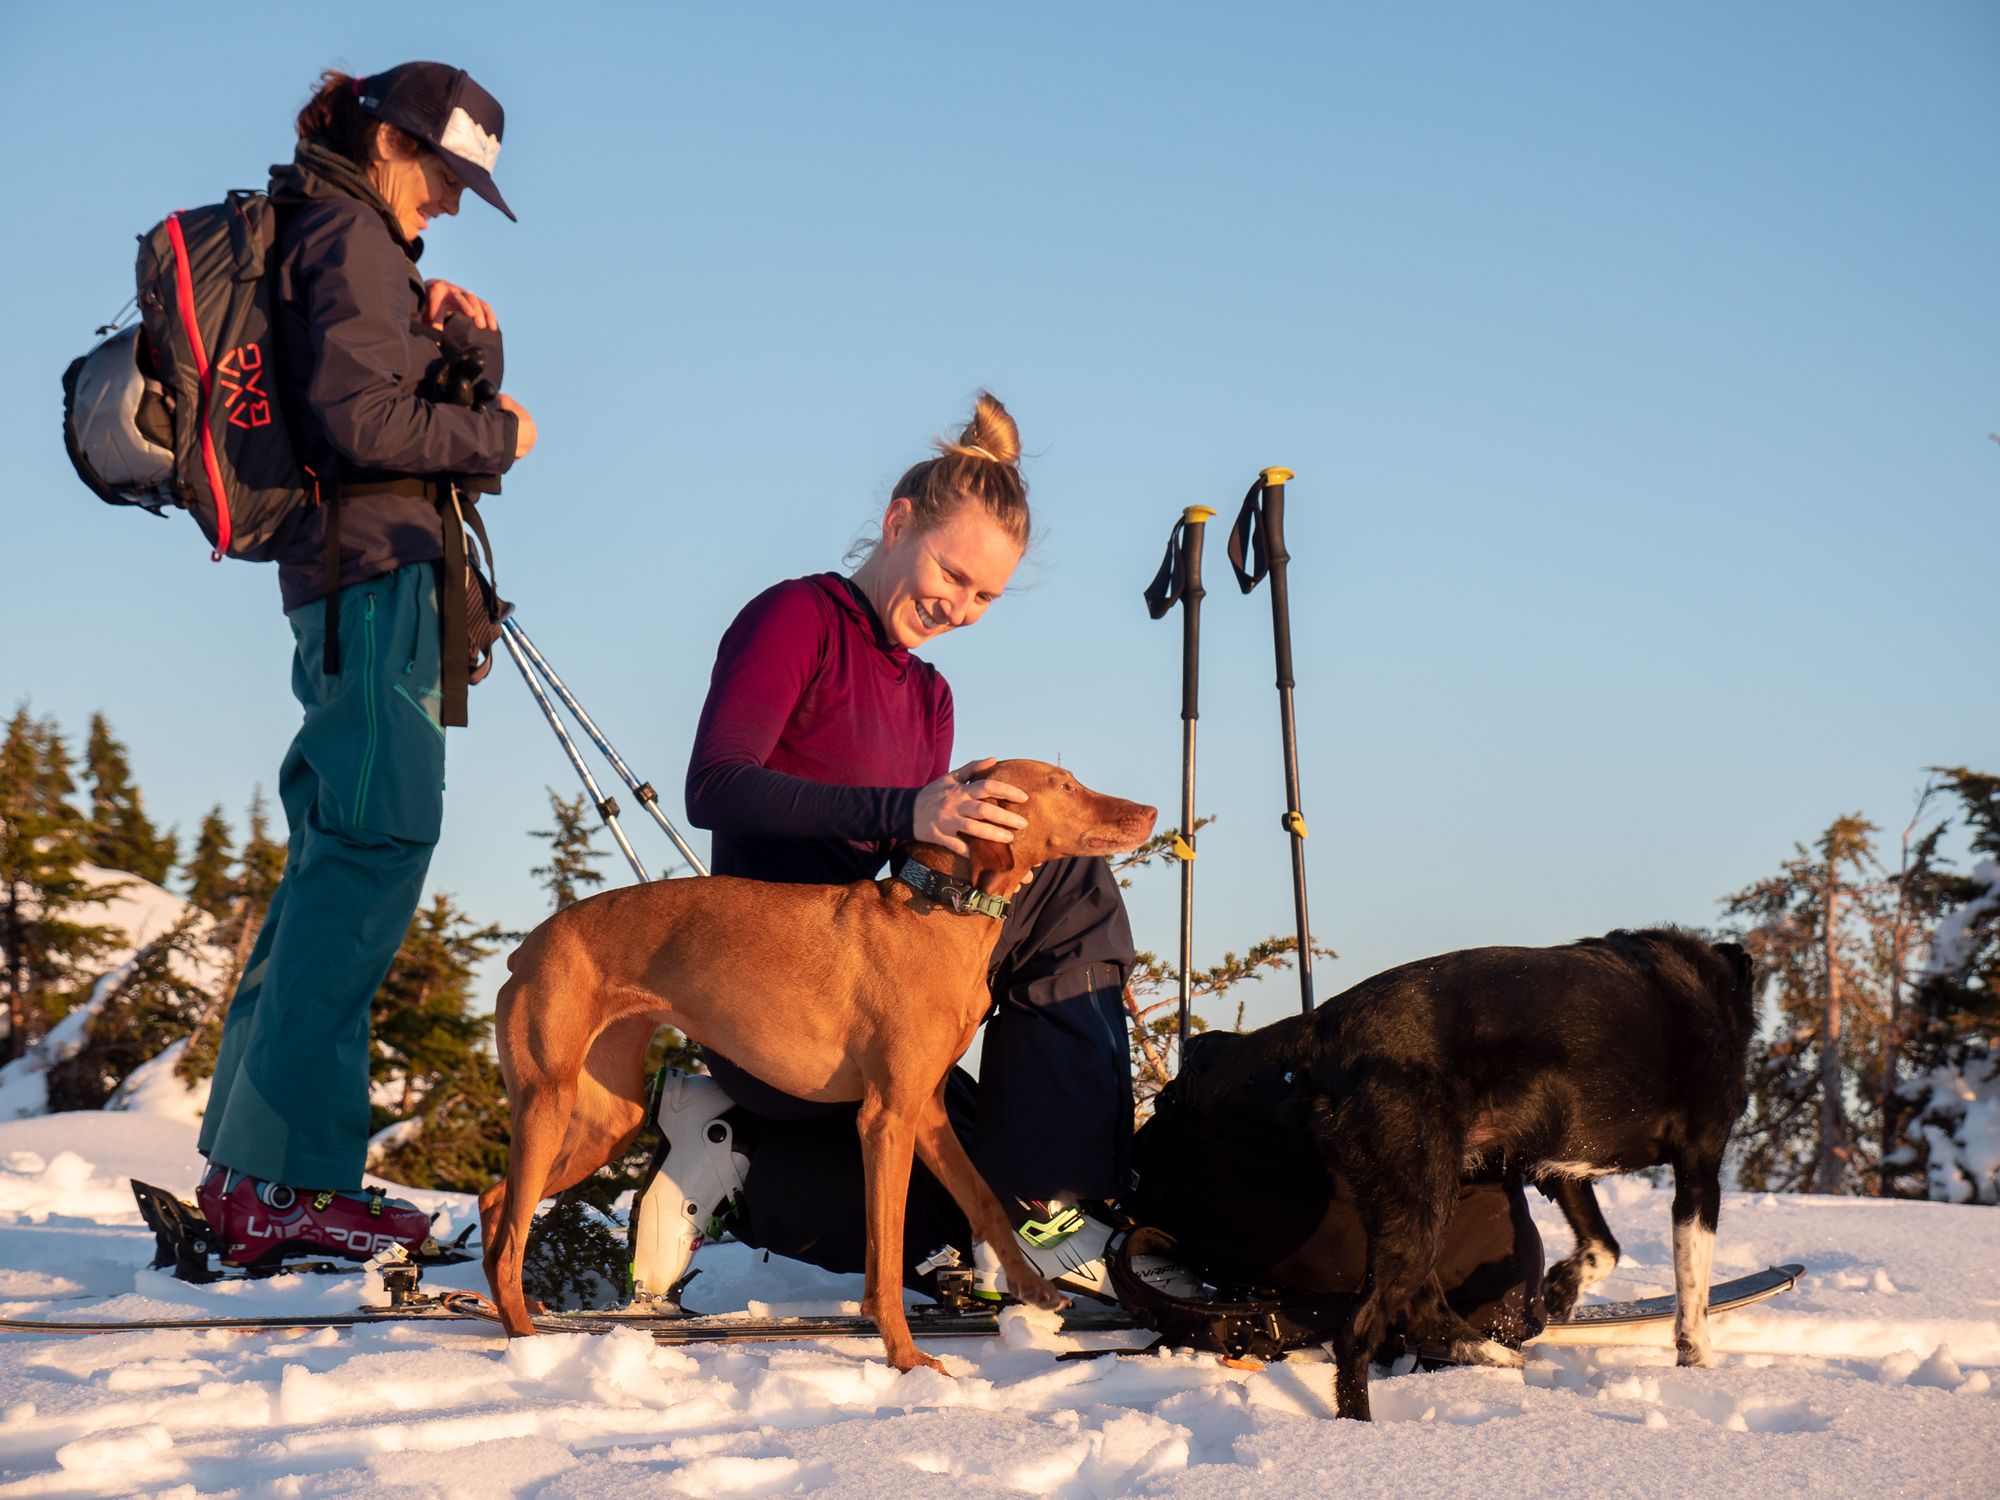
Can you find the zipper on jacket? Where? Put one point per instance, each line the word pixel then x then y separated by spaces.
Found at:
pixel 368 698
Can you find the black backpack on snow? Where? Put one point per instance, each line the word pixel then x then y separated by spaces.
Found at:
pixel 182 410
pixel 1231 1186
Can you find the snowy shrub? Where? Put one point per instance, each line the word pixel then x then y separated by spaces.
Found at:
pixel 1954 1132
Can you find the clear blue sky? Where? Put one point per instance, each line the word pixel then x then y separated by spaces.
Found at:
pixel 1637 364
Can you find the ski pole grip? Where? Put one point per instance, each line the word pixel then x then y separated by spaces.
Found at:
pixel 1194 524
pixel 1272 529
pixel 1275 481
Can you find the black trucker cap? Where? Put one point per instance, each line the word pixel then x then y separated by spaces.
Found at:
pixel 442 107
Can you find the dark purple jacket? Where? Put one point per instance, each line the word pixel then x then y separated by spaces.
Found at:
pixel 817 735
pixel 352 351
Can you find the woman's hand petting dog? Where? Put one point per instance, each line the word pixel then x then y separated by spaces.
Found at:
pixel 961 805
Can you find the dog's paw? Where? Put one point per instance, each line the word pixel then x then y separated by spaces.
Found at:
pixel 1350 1399
pixel 1694 1354
pixel 1038 1292
pixel 1560 1289
pixel 916 1359
pixel 1486 1352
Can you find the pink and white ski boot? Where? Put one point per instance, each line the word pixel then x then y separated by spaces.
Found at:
pixel 261 1222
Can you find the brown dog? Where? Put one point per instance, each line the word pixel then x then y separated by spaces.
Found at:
pixel 867 991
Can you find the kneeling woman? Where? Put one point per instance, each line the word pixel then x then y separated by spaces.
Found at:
pixel 823 746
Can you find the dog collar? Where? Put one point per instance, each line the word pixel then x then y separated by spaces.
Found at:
pixel 960 896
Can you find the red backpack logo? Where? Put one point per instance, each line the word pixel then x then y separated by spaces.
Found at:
pixel 241 374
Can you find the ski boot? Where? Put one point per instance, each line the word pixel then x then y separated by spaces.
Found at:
pixel 258 1223
pixel 1070 1247
pixel 695 1174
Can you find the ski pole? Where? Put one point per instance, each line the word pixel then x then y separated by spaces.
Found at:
pixel 643 790
pixel 607 807
pixel 1179 582
pixel 1257 548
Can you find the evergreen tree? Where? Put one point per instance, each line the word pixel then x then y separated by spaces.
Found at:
pixel 1954 1042
pixel 156 1004
pixel 1959 998
pixel 431 1053
pixel 259 868
pixel 1813 929
pixel 573 856
pixel 43 947
pixel 209 885
pixel 121 836
pixel 458 1140
pixel 1906 918
pixel 1883 984
pixel 239 910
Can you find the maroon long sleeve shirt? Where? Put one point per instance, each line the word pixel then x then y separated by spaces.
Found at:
pixel 816 737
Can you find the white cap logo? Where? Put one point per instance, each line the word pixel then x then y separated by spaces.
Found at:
pixel 466 137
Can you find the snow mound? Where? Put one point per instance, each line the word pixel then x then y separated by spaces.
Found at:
pixel 154 1088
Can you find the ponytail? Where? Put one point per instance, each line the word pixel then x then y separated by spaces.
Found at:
pixel 333 118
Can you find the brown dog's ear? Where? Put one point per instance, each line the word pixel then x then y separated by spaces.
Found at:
pixel 992 864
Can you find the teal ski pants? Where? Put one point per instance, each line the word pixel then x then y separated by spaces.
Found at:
pixel 363 792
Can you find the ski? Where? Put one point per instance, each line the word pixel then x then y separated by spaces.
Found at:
pixel 452 1306
pixel 928 1321
pixel 420 1311
pixel 1588 1325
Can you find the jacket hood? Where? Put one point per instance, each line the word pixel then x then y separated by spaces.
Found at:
pixel 850 601
pixel 316 173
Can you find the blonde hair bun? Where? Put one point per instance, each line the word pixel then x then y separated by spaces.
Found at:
pixel 991 434
pixel 980 468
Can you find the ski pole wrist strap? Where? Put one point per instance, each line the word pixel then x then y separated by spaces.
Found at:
pixel 1252 547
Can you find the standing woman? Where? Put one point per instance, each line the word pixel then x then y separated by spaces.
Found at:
pixel 823 746
pixel 359 335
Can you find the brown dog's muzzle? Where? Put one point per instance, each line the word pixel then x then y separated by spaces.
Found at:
pixel 1127 826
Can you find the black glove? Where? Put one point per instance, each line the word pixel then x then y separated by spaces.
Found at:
pixel 460 380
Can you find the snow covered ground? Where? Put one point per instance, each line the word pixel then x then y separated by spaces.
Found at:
pixel 1879 1375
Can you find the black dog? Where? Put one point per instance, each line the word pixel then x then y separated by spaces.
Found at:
pixel 1606 1055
